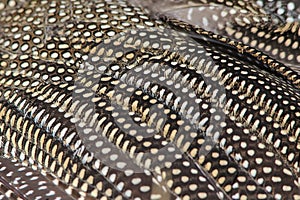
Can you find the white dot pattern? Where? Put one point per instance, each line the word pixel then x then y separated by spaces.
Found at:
pixel 102 99
pixel 270 26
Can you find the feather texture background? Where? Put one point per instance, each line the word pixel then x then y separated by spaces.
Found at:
pixel 109 99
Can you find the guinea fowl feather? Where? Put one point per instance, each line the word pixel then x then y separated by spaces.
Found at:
pixel 116 99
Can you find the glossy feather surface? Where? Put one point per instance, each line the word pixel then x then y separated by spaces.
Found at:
pixel 109 99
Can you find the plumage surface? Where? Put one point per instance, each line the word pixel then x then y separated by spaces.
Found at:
pixel 110 99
